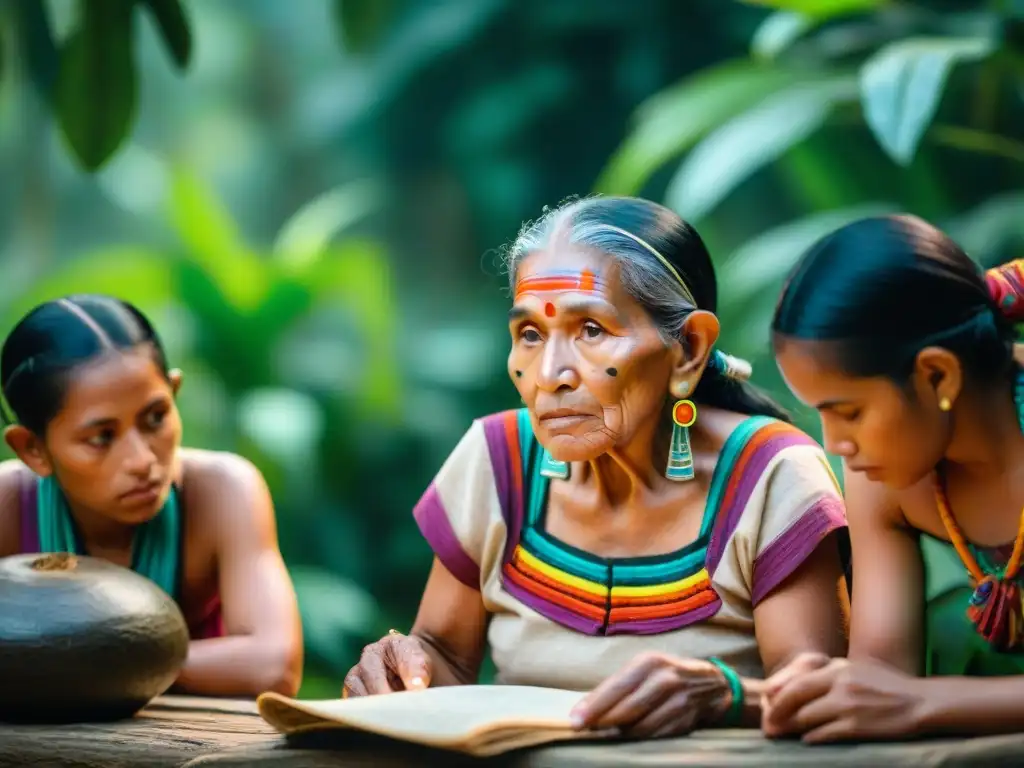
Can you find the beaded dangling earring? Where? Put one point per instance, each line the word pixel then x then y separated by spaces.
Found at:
pixel 680 459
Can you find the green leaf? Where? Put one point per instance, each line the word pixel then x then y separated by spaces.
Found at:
pixel 96 88
pixel 35 38
pixel 902 84
pixel 361 23
pixel 308 232
pixel 778 32
pixel 214 243
pixel 173 23
pixel 821 9
pixel 752 140
pixel 670 122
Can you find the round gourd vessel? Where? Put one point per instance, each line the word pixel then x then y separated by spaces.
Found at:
pixel 83 640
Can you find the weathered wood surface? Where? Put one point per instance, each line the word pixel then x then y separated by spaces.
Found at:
pixel 170 732
pixel 186 732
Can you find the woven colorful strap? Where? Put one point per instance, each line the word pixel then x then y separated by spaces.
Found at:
pixel 1006 285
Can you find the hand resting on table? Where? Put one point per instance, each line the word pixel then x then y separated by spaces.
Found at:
pixel 396 662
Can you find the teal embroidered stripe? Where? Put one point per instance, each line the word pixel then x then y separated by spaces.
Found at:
pixel 629 571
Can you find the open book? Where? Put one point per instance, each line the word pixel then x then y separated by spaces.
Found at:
pixel 479 720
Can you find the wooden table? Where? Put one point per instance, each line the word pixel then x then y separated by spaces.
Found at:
pixel 192 732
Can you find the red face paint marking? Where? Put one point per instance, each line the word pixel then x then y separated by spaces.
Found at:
pixel 585 281
pixel 549 309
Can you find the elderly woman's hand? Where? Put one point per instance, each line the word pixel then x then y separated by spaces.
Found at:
pixel 396 662
pixel 654 696
pixel 841 700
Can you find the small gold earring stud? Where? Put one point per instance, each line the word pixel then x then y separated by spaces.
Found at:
pixel 944 404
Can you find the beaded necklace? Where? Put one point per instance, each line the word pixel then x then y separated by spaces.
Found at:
pixel 995 608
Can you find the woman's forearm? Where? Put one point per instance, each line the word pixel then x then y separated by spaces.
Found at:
pixel 971 705
pixel 241 665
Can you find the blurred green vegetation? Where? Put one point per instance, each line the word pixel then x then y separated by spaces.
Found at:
pixel 309 199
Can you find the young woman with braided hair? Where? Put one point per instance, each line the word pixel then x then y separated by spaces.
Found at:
pixel 100 471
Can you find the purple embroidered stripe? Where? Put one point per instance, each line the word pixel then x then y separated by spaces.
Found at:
pixel 784 555
pixel 433 522
pixel 506 463
pixel 29 516
pixel 752 468
pixel 667 624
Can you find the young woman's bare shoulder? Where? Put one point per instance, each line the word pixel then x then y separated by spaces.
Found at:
pixel 217 471
pixel 226 484
pixel 12 475
pixel 214 468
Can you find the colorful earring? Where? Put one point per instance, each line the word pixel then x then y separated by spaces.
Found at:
pixel 549 467
pixel 680 459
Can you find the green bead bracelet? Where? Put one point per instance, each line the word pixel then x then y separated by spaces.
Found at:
pixel 734 714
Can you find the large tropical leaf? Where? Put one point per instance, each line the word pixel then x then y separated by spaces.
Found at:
pixel 96 84
pixel 170 18
pixel 747 143
pixel 902 84
pixel 672 121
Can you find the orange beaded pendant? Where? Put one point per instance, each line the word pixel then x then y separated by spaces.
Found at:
pixel 995 608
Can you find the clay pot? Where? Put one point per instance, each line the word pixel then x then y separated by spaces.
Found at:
pixel 83 640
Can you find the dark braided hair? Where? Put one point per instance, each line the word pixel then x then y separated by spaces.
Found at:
pixel 56 337
pixel 881 289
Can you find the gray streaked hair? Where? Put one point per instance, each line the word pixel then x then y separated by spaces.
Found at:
pixel 642 276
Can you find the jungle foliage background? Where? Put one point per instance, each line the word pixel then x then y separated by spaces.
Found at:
pixel 310 198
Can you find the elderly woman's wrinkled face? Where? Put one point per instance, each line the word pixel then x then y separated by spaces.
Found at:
pixel 587 359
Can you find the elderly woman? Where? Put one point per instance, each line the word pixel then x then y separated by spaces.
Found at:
pixel 648 524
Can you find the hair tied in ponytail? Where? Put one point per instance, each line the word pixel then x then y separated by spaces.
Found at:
pixel 1006 286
